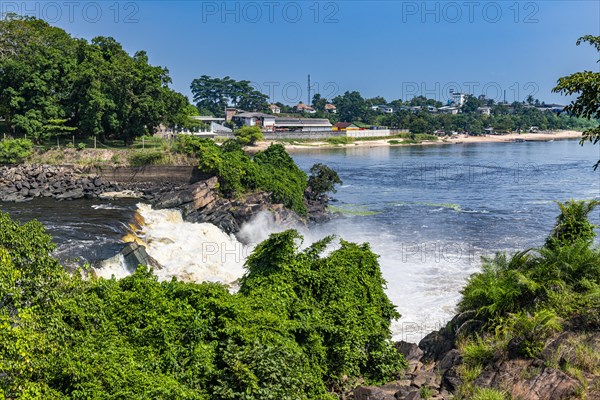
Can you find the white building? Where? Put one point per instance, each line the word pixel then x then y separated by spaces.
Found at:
pixel 266 122
pixel 448 110
pixel 484 110
pixel 459 99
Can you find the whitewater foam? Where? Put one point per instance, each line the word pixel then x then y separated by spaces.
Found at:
pixel 194 252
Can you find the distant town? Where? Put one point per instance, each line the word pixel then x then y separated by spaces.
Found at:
pixel 359 117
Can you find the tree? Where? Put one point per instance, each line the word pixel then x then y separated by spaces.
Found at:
pixel 587 85
pixel 471 104
pixel 215 94
pixel 249 135
pixel 318 102
pixel 351 106
pixel 47 76
pixel 322 180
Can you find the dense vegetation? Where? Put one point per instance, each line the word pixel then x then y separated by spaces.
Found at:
pixel 519 301
pixel 14 151
pixel 586 85
pixel 300 326
pixel 271 170
pixel 55 85
pixel 213 95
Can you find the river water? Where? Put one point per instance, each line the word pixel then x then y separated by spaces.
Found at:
pixel 430 212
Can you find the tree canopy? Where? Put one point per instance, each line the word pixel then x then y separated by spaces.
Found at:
pixel 54 84
pixel 301 326
pixel 213 95
pixel 587 85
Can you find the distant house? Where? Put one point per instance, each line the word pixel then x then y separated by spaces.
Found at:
pixel 275 109
pixel 432 109
pixel 265 121
pixel 331 108
pixel 305 108
pixel 484 110
pixel 302 124
pixel 345 126
pixel 490 131
pixel 556 108
pixel 383 108
pixel 448 110
pixel 230 112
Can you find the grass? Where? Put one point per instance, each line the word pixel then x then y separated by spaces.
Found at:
pixel 488 394
pixel 425 392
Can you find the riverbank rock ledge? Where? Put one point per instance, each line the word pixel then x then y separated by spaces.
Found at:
pixel 434 371
pixel 201 202
pixel 25 182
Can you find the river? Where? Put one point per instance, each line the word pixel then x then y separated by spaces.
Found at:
pixel 430 212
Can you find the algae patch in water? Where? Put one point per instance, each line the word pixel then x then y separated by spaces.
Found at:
pixel 352 209
pixel 455 207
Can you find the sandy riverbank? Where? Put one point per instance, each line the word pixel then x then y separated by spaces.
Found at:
pixel 456 139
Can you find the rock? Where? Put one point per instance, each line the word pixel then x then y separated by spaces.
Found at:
pixel 435 346
pixel 385 392
pixel 430 379
pixel 551 384
pixel 410 351
pixel 452 358
pixel 451 380
pixel 71 195
pixel 135 255
pixel 412 396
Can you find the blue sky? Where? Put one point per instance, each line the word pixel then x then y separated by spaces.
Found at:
pixel 396 49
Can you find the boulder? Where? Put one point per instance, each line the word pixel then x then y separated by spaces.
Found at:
pixel 386 392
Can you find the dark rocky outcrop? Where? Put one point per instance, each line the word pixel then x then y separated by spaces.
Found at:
pixel 201 202
pixel 435 364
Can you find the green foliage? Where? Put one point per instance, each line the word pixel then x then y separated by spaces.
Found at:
pixel 530 331
pixel 322 180
pixel 425 392
pixel 215 94
pixel 141 158
pixel 81 146
pixel 586 84
pixel 271 170
pixel 328 297
pixel 524 299
pixel 488 394
pixel 14 151
pixel 340 140
pixel 572 224
pixel 299 326
pixel 249 135
pixel 50 78
pixel 477 352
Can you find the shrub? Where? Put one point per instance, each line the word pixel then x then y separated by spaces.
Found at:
pixel 81 146
pixel 141 158
pixel 477 352
pixel 14 151
pixel 300 325
pixel 322 180
pixel 271 170
pixel 249 135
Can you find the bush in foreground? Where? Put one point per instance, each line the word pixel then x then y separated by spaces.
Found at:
pixel 300 326
pixel 522 300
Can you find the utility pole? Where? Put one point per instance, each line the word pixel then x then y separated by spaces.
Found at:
pixel 309 100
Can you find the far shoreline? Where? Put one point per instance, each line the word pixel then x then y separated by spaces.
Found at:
pixel 397 142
